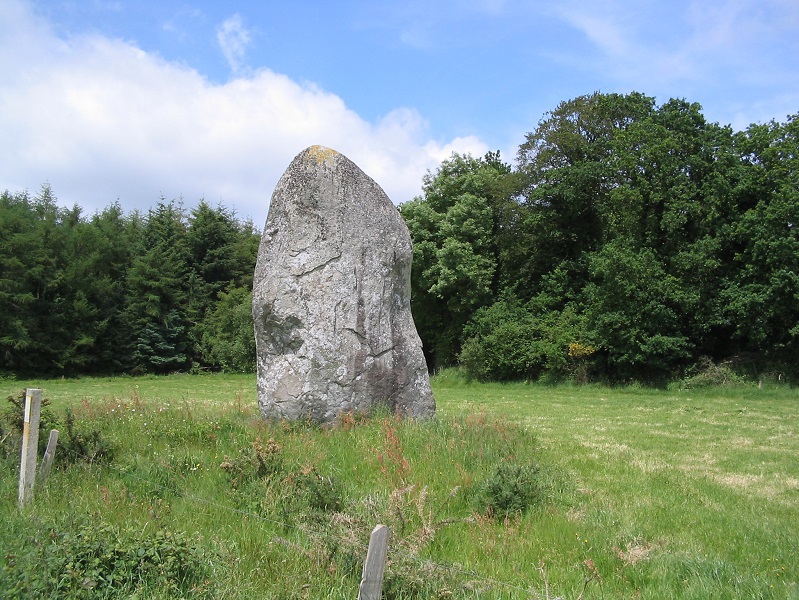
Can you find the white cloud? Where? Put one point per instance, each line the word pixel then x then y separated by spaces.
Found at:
pixel 101 120
pixel 233 38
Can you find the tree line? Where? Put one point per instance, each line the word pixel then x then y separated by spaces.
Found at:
pixel 156 292
pixel 628 241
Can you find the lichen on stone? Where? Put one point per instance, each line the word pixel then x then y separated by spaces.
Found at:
pixel 321 154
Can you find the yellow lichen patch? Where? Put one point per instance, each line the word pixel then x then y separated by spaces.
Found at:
pixel 321 154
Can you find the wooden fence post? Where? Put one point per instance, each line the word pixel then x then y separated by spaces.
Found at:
pixel 49 455
pixel 372 580
pixel 30 443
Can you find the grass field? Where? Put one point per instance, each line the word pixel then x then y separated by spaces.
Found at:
pixel 639 492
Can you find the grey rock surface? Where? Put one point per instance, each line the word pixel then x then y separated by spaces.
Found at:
pixel 331 298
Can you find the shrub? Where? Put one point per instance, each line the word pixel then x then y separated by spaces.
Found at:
pixel 322 493
pixel 256 462
pixel 508 341
pixel 511 489
pixel 83 446
pixel 706 373
pixel 12 423
pixel 74 445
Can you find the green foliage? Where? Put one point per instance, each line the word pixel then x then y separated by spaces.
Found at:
pixel 709 374
pixel 116 293
pixel 635 310
pixel 510 489
pixel 76 445
pixel 226 333
pixel 667 237
pixel 158 281
pixel 57 290
pixel 12 422
pixel 457 231
pixel 91 560
pixel 320 492
pixel 508 341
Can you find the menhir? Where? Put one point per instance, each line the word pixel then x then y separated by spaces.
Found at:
pixel 331 298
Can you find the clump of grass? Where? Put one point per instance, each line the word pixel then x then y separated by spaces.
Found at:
pixel 261 459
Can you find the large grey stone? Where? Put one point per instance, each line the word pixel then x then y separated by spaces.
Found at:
pixel 331 298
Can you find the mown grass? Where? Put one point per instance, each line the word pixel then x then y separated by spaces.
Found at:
pixel 645 493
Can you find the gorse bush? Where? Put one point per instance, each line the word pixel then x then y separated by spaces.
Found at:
pixel 12 423
pixel 78 445
pixel 75 444
pixel 510 490
pixel 321 492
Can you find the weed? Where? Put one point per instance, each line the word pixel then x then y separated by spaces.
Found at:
pixel 258 461
pixel 393 464
pixel 87 560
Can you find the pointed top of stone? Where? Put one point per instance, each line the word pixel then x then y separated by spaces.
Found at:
pixel 321 154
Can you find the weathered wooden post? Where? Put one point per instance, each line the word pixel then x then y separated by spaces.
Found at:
pixel 30 443
pixel 49 455
pixel 372 580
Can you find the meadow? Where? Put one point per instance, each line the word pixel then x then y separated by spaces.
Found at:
pixel 175 487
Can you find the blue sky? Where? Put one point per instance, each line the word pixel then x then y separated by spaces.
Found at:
pixel 133 100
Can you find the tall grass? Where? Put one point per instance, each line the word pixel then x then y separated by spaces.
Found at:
pixel 637 492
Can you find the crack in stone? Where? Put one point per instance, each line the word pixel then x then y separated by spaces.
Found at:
pixel 357 333
pixel 382 353
pixel 320 266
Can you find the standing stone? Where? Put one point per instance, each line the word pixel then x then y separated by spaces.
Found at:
pixel 331 298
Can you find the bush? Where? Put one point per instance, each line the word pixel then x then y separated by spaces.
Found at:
pixel 12 423
pixel 256 462
pixel 511 489
pixel 321 492
pixel 706 373
pixel 508 341
pixel 83 446
pixel 74 445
